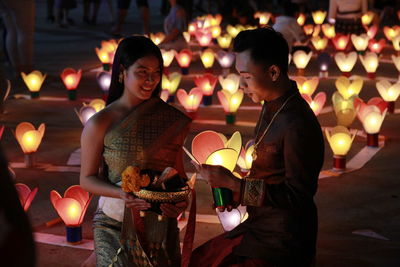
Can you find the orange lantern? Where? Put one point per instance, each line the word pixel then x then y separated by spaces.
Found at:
pixel 207 84
pixel 191 101
pixel 301 19
pixel 376 46
pixel 71 79
pixel 263 17
pixel 157 38
pixel 192 28
pixel 391 32
pixel 72 208
pixel 26 195
pixel 317 103
pixel 184 57
pixel 104 57
pixel 29 139
pixel 340 41
pixel 308 29
pixel 168 57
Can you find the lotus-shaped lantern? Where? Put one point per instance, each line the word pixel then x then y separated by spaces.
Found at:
pixel 301 19
pixel 245 160
pixel 319 16
pixel 231 219
pixel 348 88
pixel 306 86
pixel 340 41
pixel 34 81
pixel 171 82
pixel 319 43
pixel 203 37
pixel 168 57
pixel 72 208
pixel 234 30
pixel 207 84
pixel 230 83
pixel 376 46
pixel 29 139
pixel 344 109
pixel 184 57
pixel 389 92
pixel 71 79
pixel 207 58
pixel 360 42
pixel 105 57
pixel 328 30
pixel 367 18
pixel 340 140
pixel 370 61
pixel 224 41
pixel 230 102
pixel 3 95
pixel 191 101
pixel 157 38
pixel 317 103
pixel 263 17
pixel 225 59
pixel 372 31
pixel 346 62
pixel 391 32
pixel 26 195
pixel 301 59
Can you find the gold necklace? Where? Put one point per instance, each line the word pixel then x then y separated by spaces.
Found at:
pixel 254 154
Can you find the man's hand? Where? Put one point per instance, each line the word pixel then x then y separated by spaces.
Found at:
pixel 173 210
pixel 218 176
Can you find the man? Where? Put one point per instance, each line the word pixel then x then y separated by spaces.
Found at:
pixel 282 226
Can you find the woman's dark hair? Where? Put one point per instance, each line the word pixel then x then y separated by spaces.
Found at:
pixel 267 47
pixel 129 50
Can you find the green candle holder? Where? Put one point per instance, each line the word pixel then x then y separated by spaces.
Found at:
pixel 222 197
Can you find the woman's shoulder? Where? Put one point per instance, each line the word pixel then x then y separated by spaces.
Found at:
pixel 102 120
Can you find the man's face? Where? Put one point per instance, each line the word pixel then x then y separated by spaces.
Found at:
pixel 254 78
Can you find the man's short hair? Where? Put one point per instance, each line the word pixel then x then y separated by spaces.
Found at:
pixel 267 47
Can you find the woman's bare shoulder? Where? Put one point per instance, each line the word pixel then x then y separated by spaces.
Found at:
pixel 101 121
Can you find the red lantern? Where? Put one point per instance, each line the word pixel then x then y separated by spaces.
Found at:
pixel 340 41
pixel 26 195
pixel 376 46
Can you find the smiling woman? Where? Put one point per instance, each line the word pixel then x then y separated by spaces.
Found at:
pixel 136 130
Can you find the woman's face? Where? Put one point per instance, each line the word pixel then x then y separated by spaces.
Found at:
pixel 142 77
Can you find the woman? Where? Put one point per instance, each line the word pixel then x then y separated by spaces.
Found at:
pixel 347 15
pixel 175 23
pixel 136 128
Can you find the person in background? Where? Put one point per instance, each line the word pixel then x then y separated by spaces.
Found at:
pixel 123 6
pixel 346 14
pixel 62 12
pixel 90 11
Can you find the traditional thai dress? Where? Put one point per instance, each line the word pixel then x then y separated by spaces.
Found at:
pixel 150 137
pixel 281 229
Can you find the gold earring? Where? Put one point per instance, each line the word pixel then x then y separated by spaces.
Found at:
pixel 121 77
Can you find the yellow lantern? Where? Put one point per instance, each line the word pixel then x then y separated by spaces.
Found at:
pixel 346 62
pixel 348 89
pixel 328 30
pixel 207 58
pixel 391 32
pixel 29 139
pixel 370 62
pixel 301 59
pixel 234 30
pixel 367 18
pixel 360 42
pixel 34 81
pixel 389 92
pixel 396 43
pixel 168 56
pixel 191 101
pixel 301 19
pixel 344 109
pixel 171 83
pixel 230 83
pixel 215 31
pixel 157 38
pixel 372 118
pixel 109 46
pixel 230 102
pixel 319 43
pixel 263 17
pixel 396 61
pixel 224 41
pixel 97 103
pixel 319 16
pixel 340 140
pixel 306 86
pixel 104 57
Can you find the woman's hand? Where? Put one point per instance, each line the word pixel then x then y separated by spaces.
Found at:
pixel 133 202
pixel 218 176
pixel 173 210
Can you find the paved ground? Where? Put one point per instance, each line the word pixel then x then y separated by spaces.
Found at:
pixel 368 198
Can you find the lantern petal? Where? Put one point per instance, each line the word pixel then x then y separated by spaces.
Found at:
pixel 226 157
pixel 41 129
pixel 76 192
pixel 235 142
pixel 54 197
pixel 206 143
pixel 23 192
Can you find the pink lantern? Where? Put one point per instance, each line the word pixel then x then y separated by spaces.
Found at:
pixel 26 195
pixel 184 57
pixel 206 143
pixel 204 37
pixel 191 101
pixel 72 208
pixel 340 41
pixel 71 79
pixel 1 131
pixel 371 31
pixel 376 46
pixel 206 83
pixel 317 103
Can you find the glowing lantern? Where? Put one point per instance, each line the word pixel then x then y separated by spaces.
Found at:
pixel 308 29
pixel 396 61
pixel 318 16
pixel 317 103
pixel 207 58
pixel 230 102
pixel 192 28
pixel 191 101
pixel 29 139
pixel 225 59
pixel 168 56
pixel 370 62
pixel 263 17
pixel 164 95
pixel 301 19
pixel 348 89
pixel 245 160
pixel 372 115
pixel 306 86
pixel 97 104
pixel 104 80
pixel 301 59
pixel 184 57
pixel 4 97
pixel 203 37
pixel 389 92
pixel 207 84
pixel 340 140
pixel 85 113
pixel 171 83
pixel 319 43
pixel 371 31
pixel 26 195
pixel 346 62
pixel 72 208
pixel 233 31
pixel 367 18
pixel 224 41
pixel 229 219
pixel 328 30
pixel 396 43
pixel 157 38
pixel 230 83
pixel 376 46
pixel 34 81
pixel 344 109
pixel 391 32
pixel 324 60
pixel 71 79
pixel 340 41
pixel 186 36
pixel 360 42
pixel 104 57
pixel 215 31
